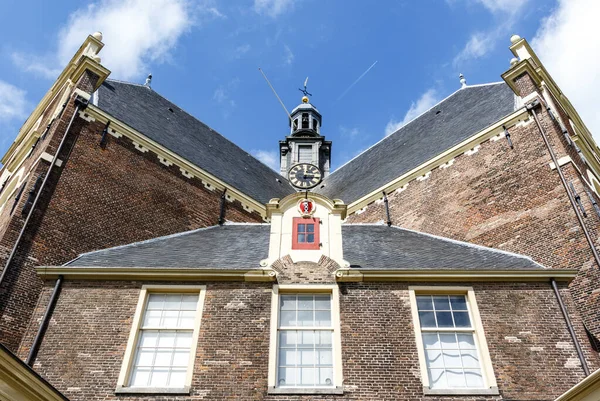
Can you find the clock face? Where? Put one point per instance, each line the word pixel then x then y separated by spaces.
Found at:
pixel 304 176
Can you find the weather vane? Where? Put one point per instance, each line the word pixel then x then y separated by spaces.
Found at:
pixel 304 90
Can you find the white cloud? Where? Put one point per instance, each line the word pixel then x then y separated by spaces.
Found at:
pixel 241 50
pixel 136 33
pixel 503 6
pixel 270 158
pixel 424 103
pixel 567 46
pixel 12 102
pixel 349 132
pixel 478 46
pixel 288 57
pixel 273 8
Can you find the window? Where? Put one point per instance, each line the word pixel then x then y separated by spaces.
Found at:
pixel 160 352
pixel 304 120
pixel 452 349
pixel 305 353
pixel 304 153
pixel 305 233
pixel 315 124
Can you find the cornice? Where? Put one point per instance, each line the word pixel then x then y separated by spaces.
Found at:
pixel 360 275
pixel 142 143
pixel 442 160
pixel 586 390
pixel 154 273
pixel 280 205
pixel 18 382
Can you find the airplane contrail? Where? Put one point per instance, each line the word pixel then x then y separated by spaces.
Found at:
pixel 355 82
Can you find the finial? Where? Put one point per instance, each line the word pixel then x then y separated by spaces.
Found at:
pixel 513 61
pixel 463 81
pixel 306 94
pixel 148 81
pixel 97 35
pixel 514 39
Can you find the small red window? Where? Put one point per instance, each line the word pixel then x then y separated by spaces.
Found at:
pixel 305 233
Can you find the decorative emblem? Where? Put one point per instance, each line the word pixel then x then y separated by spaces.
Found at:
pixel 304 176
pixel 306 207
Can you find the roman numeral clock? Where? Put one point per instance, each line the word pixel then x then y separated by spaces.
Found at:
pixel 304 176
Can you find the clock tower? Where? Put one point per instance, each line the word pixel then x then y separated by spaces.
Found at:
pixel 305 144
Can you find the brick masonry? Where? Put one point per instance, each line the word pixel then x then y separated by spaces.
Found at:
pixel 97 199
pixel 531 351
pixel 508 199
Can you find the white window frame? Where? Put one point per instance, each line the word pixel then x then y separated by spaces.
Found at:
pixel 489 379
pixel 333 290
pixel 129 357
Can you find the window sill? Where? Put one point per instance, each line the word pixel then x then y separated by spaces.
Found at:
pixel 305 390
pixel 461 391
pixel 152 390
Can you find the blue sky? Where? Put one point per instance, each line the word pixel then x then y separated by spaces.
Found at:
pixel 204 56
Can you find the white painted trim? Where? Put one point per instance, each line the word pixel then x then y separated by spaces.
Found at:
pixel 125 373
pixel 335 321
pixel 561 162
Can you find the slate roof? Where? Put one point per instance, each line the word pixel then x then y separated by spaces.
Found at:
pixel 373 246
pixel 460 116
pixel 148 112
pixel 231 246
pixel 240 246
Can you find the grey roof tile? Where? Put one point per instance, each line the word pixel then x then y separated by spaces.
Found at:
pixel 162 121
pixel 229 246
pixel 460 116
pixel 371 246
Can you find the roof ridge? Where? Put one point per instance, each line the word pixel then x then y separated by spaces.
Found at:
pixel 414 119
pixel 470 244
pixel 147 241
pixel 125 82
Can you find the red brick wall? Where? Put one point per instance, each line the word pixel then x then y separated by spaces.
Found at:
pixel 508 199
pixel 531 351
pixel 97 199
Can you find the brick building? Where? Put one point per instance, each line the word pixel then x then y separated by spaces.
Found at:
pixel 146 257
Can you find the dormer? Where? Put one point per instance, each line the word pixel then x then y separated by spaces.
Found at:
pixel 305 227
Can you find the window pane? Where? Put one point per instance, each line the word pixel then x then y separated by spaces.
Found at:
pixel 287 377
pixel 288 318
pixel 310 238
pixel 305 302
pixel 169 318
pixel 307 376
pixel 434 359
pixel 452 359
pixel 455 378
pixel 287 338
pixel 155 301
pixel 148 338
pixel 461 319
pixel 189 302
pixel 166 339
pixel 288 302
pixel 325 337
pixel 444 319
pixel 326 376
pixel 323 318
pixel 325 357
pixel 145 358
pixel 430 340
pixel 287 357
pixel 458 302
pixel 163 358
pixel 140 377
pixel 301 228
pixel 323 302
pixel 440 302
pixel 305 318
pixel 437 377
pixel 310 228
pixel 177 378
pixel 474 378
pixel 159 377
pixel 181 358
pixel 424 302
pixel 427 319
pixel 448 341
pixel 172 302
pixel 184 340
pixel 469 359
pixel 308 338
pixel 307 357
pixel 466 341
pixel 301 237
pixel 152 318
